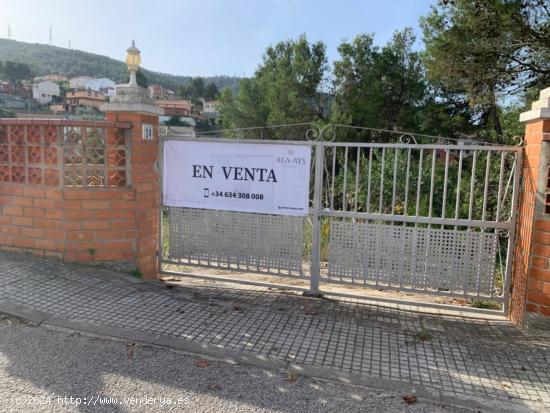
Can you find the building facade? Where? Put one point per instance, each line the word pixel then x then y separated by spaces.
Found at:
pixel 159 92
pixel 79 82
pixel 88 98
pixel 210 106
pixel 44 92
pixel 100 85
pixel 175 107
pixel 51 78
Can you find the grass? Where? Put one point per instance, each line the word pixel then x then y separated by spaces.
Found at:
pixel 490 305
pixel 423 335
pixel 165 232
pixel 325 236
pixel 136 273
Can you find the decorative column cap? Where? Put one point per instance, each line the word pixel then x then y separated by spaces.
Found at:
pixel 540 109
pixel 132 97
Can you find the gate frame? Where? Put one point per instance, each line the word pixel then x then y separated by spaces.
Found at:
pixel 316 212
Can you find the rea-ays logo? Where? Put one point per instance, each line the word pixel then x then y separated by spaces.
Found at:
pixel 290 159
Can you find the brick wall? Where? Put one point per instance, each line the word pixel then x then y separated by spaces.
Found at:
pixel 538 287
pixel 531 273
pixel 538 292
pixel 71 224
pixel 99 207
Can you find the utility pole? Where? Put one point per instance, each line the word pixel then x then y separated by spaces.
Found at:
pixel 51 36
pixel 9 31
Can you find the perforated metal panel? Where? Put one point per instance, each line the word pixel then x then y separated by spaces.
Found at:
pixel 404 187
pixel 418 258
pixel 253 242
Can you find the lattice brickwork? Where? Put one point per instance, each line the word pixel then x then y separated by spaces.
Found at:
pixel 29 154
pixel 259 242
pixel 409 257
pixel 63 153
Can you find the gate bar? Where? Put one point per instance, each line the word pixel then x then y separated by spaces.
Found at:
pixel 160 231
pixel 518 169
pixel 316 221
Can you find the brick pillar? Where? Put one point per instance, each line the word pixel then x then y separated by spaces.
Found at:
pixel 530 302
pixel 133 104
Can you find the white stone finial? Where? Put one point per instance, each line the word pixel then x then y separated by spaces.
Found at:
pixel 540 109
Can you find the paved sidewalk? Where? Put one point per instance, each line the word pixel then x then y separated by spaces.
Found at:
pixel 476 362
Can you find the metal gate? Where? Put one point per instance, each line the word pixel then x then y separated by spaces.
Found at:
pixel 392 213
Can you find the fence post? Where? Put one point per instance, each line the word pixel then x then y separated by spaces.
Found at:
pixel 315 267
pixel 530 300
pixel 133 104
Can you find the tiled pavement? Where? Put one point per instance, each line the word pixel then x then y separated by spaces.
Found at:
pixel 465 357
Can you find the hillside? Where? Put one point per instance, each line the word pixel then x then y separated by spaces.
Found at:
pixel 44 59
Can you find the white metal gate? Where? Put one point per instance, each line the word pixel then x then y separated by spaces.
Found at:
pixel 436 218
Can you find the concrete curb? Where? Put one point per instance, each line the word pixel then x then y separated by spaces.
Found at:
pixel 261 361
pixel 24 313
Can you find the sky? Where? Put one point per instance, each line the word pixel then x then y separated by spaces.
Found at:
pixel 204 37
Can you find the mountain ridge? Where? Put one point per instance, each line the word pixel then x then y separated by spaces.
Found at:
pixel 44 59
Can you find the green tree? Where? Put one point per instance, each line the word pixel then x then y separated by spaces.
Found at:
pixel 528 55
pixel 211 91
pixel 184 91
pixel 195 92
pixel 484 51
pixel 249 108
pixel 286 88
pixel 175 121
pixel 197 88
pixel 15 72
pixel 6 113
pixel 142 79
pixel 380 87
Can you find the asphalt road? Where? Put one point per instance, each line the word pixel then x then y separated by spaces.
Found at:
pixel 42 370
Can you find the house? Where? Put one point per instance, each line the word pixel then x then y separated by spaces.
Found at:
pixel 89 98
pixel 110 91
pixel 156 91
pixel 12 102
pixel 18 88
pixel 100 85
pixel 43 92
pixel 159 92
pixel 51 78
pixel 175 107
pixel 210 108
pixel 6 87
pixel 79 82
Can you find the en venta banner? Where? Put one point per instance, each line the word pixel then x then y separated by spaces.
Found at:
pixel 246 177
